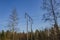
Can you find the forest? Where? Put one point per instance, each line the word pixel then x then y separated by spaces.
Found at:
pixel 52 14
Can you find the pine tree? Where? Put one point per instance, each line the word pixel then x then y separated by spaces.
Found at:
pixel 3 37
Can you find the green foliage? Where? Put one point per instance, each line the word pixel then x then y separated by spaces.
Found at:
pixel 37 35
pixel 3 35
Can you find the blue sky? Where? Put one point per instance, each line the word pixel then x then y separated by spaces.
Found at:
pixel 32 7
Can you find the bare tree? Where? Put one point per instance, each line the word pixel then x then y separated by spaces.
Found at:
pixel 52 15
pixel 52 8
pixel 28 18
pixel 13 21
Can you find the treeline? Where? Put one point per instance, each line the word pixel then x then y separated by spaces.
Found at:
pixel 51 34
pixel 52 10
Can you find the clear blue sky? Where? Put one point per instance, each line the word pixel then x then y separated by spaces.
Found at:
pixel 32 7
